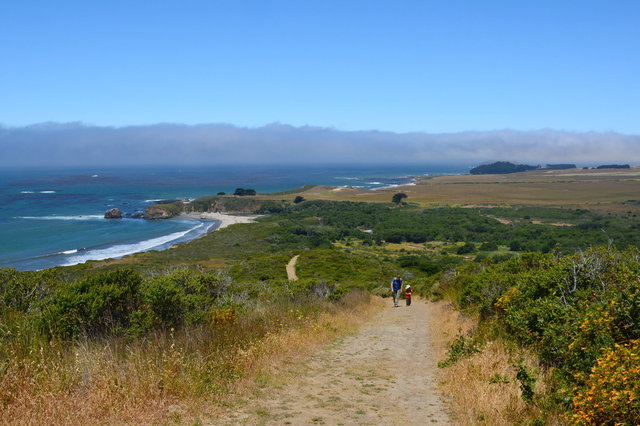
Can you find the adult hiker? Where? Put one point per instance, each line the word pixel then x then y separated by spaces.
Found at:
pixel 396 288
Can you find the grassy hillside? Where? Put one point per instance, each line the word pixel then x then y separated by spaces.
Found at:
pixel 189 316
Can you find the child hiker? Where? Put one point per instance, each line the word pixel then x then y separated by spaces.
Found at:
pixel 407 295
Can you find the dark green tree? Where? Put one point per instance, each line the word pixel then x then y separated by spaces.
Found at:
pixel 244 191
pixel 397 198
pixel 298 199
pixel 489 246
pixel 466 248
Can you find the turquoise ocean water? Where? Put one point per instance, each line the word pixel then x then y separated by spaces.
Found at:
pixel 55 217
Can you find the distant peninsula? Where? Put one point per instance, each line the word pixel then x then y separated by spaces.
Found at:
pixel 506 167
pixel 614 166
pixel 501 167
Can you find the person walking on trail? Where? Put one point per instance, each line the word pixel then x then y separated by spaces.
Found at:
pixel 407 295
pixel 396 288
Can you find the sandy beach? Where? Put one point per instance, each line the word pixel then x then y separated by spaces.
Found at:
pixel 225 219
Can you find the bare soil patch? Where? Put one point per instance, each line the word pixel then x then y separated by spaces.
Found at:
pixel 502 220
pixel 291 268
pixel 539 222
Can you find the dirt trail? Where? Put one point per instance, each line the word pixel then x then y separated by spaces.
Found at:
pixel 385 373
pixel 291 268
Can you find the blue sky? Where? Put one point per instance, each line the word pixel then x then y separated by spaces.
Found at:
pixel 432 66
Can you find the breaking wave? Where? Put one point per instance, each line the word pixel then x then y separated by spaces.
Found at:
pixel 79 217
pixel 121 250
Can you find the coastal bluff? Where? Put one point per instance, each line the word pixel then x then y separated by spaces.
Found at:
pixel 213 204
pixel 161 211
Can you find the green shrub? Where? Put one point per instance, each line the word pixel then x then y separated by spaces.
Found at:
pixel 164 298
pixel 181 297
pixel 96 305
pixel 121 302
pixel 572 310
pixel 527 381
pixel 429 264
pixel 20 291
pixel 489 246
pixel 459 348
pixel 466 248
pixel 499 379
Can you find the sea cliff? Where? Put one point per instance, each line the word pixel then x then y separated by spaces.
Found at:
pixel 214 204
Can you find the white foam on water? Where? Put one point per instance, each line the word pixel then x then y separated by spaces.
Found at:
pixel 81 217
pixel 394 186
pixel 38 192
pixel 69 251
pixel 121 250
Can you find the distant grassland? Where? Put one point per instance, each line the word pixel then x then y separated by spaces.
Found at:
pixel 601 189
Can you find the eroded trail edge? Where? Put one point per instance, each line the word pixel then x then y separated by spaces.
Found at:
pixel 385 373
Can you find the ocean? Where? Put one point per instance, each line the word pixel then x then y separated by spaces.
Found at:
pixel 54 217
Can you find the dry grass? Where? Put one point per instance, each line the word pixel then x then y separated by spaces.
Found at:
pixel 468 382
pixel 599 189
pixel 184 376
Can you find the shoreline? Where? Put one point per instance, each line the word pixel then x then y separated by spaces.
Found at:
pixel 80 242
pixel 96 254
pixel 225 219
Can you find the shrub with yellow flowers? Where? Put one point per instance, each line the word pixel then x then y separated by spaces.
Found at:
pixel 223 316
pixel 611 394
pixel 579 313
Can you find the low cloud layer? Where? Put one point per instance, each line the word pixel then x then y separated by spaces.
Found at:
pixel 167 144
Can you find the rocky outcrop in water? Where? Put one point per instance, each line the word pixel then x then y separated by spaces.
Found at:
pixel 113 214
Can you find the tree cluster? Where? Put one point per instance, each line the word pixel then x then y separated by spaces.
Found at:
pixel 560 166
pixel 244 191
pixel 501 167
pixel 614 166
